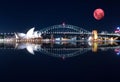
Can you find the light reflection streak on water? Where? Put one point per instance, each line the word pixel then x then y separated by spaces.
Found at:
pixel 63 49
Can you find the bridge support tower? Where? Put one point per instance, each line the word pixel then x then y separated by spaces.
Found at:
pixel 94 35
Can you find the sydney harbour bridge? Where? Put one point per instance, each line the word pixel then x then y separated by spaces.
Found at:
pixel 72 32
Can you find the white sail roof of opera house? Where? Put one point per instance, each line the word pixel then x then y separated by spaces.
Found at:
pixel 30 34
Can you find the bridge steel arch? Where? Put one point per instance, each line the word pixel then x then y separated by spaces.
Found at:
pixel 55 29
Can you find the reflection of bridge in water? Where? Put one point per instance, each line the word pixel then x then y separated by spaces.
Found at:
pixel 63 50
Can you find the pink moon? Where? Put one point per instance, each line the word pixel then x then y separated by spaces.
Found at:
pixel 98 14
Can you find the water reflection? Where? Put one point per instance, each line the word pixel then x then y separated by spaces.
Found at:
pixel 62 49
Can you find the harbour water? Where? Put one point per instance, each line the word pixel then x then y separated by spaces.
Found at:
pixel 60 61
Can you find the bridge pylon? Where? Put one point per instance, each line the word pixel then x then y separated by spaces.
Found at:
pixel 95 35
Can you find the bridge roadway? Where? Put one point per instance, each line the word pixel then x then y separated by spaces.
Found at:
pixel 77 33
pixel 66 33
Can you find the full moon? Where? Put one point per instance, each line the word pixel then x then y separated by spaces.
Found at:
pixel 98 14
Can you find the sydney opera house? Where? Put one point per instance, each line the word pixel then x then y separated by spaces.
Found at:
pixel 29 35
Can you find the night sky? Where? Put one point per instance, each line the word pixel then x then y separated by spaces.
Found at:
pixel 19 16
